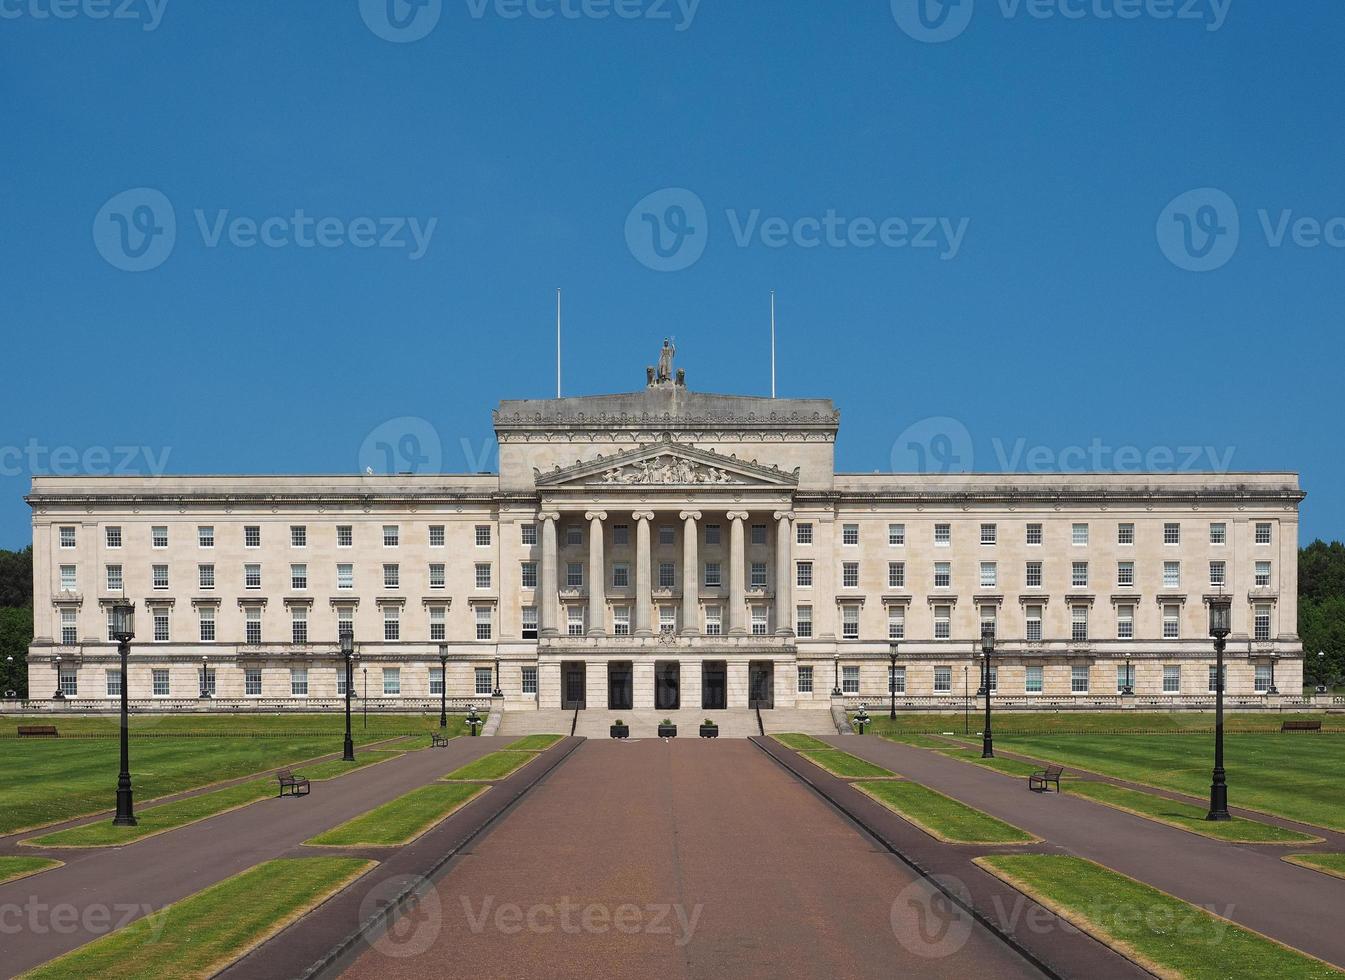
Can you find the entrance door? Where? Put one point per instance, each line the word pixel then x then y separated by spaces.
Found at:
pixel 667 685
pixel 714 685
pixel 620 686
pixel 761 684
pixel 572 686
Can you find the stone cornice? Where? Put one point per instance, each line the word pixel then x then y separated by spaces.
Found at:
pixel 1012 496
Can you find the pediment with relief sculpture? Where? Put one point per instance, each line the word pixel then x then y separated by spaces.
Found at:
pixel 667 464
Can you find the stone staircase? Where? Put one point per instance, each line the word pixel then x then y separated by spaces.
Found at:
pixel 643 722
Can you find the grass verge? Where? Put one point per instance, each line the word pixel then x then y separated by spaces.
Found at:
pixel 1162 933
pixel 402 820
pixel 534 743
pixel 1329 864
pixel 497 765
pixel 1010 767
pixel 1186 816
pixel 14 868
pixel 918 741
pixel 1015 723
pixel 795 740
pixel 205 932
pixel 943 817
pixel 171 816
pixel 845 765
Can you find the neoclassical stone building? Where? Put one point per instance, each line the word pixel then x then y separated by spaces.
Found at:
pixel 660 549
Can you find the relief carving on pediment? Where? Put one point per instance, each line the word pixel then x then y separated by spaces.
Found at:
pixel 668 470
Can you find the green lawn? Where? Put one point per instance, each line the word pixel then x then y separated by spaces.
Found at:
pixel 840 763
pixel 13 868
pixel 52 780
pixel 1187 816
pixel 534 743
pixel 1098 722
pixel 203 933
pixel 1332 864
pixel 918 741
pixel 1301 777
pixel 497 765
pixel 1168 936
pixel 794 740
pixel 402 820
pixel 943 817
pixel 1010 767
pixel 170 816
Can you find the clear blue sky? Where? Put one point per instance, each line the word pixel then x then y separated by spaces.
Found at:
pixel 1060 319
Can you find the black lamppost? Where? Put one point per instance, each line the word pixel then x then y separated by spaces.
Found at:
pixel 1321 672
pixel 987 650
pixel 205 675
pixel 497 693
pixel 892 679
pixel 59 695
pixel 123 631
pixel 364 700
pixel 1274 658
pixel 1129 687
pixel 348 657
pixel 966 699
pixel 836 675
pixel 443 685
pixel 1221 608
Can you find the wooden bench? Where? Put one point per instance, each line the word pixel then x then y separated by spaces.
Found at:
pixel 437 741
pixel 1038 781
pixel 296 784
pixel 37 731
pixel 1296 725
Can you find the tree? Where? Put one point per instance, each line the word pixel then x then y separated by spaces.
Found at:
pixel 16 578
pixel 1321 611
pixel 16 632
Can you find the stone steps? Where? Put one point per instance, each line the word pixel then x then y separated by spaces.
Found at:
pixel 644 722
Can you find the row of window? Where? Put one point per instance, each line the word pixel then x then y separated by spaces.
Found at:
pixel 161 682
pixel 1080 679
pixel 298 579
pixel 298 534
pixel 1033 574
pixel 1033 534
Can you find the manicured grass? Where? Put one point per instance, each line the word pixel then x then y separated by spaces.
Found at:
pixel 1010 767
pixel 170 816
pixel 1097 722
pixel 794 740
pixel 52 780
pixel 943 817
pixel 534 743
pixel 201 934
pixel 840 763
pixel 14 868
pixel 1301 777
pixel 1164 934
pixel 1331 864
pixel 497 765
pixel 1187 816
pixel 402 820
pixel 918 741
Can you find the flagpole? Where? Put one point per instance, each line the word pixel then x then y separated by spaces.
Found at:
pixel 772 343
pixel 557 341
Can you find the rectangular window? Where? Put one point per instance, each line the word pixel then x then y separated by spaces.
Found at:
pixel 1172 574
pixel 849 622
pixel 758 575
pixel 1033 616
pixel 896 535
pixel 1262 678
pixel 161 687
pixel 299 682
pixel 994 679
pixel 620 534
pixel 158 536
pixel 943 622
pixel 896 680
pixel 1218 573
pixel 485 626
pixel 483 535
pixel 621 575
pixel 849 680
pixel 67 537
pixel 714 622
pixel 1123 678
pixel 392 535
pixel 1125 574
pixel 1263 533
pixel 759 622
pixel 989 533
pixel 1078 680
pixel 345 536
pixel 436 680
pixel 68 578
pixel 1217 680
pixel 667 575
pixel 1078 620
pixel 989 575
pixel 943 535
pixel 850 575
pixel 528 680
pixel 252 617
pixel 436 575
pixel 803 621
pixel 252 682
pixel 207 617
pixel 1125 622
pixel 298 536
pixel 205 576
pixel 205 536
pixel 345 620
pixel 667 534
pixel 621 619
pixel 850 534
pixel 1219 534
pixel 1125 534
pixel 252 576
pixel 1262 574
pixel 392 681
pixel 805 680
pixel 160 625
pixel 574 575
pixel 1172 679
pixel 1079 534
pixel 712 575
pixel 483 575
pixel 298 577
pixel 252 536
pixel 114 683
pixel 943 680
pixel 1261 622
pixel 1079 574
pixel 804 578
pixel 712 534
pixel 345 576
pixel 1033 575
pixel 160 576
pixel 112 538
pixel 758 534
pixel 528 535
pixel 528 575
pixel 1172 533
pixel 392 623
pixel 896 622
pixel 1032 680
pixel 483 680
pixel 896 575
pixel 299 624
pixel 438 629
pixel 574 620
pixel 1034 534
pixel 803 532
pixel 1172 619
pixel 69 627
pixel 436 535
pixel 667 619
pixel 943 574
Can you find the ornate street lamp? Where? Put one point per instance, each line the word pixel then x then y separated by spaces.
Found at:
pixel 364 698
pixel 59 695
pixel 443 685
pixel 473 719
pixel 1321 671
pixel 123 631
pixel 497 693
pixel 836 675
pixel 987 651
pixel 1274 659
pixel 892 679
pixel 1129 687
pixel 862 718
pixel 348 658
pixel 205 675
pixel 1221 610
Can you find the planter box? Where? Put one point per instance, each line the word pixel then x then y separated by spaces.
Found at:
pixel 667 731
pixel 619 731
pixel 709 731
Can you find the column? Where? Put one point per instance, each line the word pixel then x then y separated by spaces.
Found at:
pixel 784 573
pixel 644 602
pixel 546 593
pixel 691 616
pixel 597 599
pixel 737 567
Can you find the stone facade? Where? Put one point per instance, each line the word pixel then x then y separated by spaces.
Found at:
pixel 666 548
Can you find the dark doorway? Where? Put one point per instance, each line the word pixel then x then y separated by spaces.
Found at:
pixel 714 685
pixel 620 688
pixel 667 685
pixel 761 684
pixel 572 685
